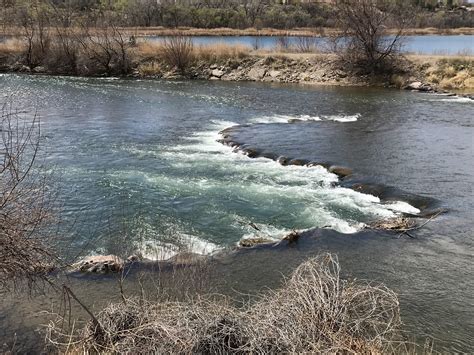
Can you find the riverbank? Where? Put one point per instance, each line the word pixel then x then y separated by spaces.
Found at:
pixel 420 73
pixel 241 63
pixel 273 32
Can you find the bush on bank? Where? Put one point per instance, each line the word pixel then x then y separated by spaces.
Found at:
pixel 314 311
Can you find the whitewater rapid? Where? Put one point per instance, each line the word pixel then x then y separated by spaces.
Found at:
pixel 243 191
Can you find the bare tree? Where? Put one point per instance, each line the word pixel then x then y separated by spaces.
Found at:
pixel 24 203
pixel 365 42
pixel 34 23
pixel 106 47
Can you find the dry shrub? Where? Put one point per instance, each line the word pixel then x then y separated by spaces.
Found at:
pixel 398 80
pixel 12 47
pixel 149 69
pixel 221 51
pixel 178 52
pixel 306 45
pixel 24 203
pixel 149 50
pixel 314 311
pixel 283 44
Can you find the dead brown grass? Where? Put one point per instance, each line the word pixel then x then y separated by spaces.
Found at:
pixel 447 72
pixel 315 311
pixel 12 47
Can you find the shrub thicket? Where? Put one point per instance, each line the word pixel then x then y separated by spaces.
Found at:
pixel 314 312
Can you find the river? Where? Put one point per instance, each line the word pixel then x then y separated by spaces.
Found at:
pixel 426 44
pixel 139 169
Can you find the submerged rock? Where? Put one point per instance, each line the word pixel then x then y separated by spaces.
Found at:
pixel 292 237
pixel 312 164
pixel 340 171
pixel 250 152
pixel 283 160
pixel 299 162
pixel 251 242
pixel 187 259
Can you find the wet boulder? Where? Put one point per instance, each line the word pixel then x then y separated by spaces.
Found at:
pixel 299 162
pixel 187 259
pixel 283 160
pixel 292 237
pixel 251 152
pixel 340 171
pixel 252 242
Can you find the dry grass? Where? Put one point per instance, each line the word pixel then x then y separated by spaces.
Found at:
pixel 12 47
pixel 221 51
pixel 314 311
pixel 218 51
pixel 452 73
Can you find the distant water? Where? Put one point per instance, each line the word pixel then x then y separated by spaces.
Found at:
pixel 429 44
pixel 140 169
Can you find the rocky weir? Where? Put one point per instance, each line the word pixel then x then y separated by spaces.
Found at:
pixel 348 177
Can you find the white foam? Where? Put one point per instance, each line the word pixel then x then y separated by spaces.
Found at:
pixel 266 231
pixel 402 207
pixel 304 196
pixel 306 118
pixel 458 99
pixel 160 250
pixel 343 118
pixel 284 119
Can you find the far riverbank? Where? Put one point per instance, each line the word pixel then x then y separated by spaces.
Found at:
pixel 310 32
pixel 147 60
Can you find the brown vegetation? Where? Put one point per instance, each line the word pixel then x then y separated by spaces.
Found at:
pixel 314 311
pixel 178 52
pixel 364 43
pixel 25 252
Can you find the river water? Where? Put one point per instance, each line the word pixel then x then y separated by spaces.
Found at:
pixel 426 44
pixel 139 169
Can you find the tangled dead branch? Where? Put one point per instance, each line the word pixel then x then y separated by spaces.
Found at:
pixel 24 202
pixel 402 225
pixel 315 311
